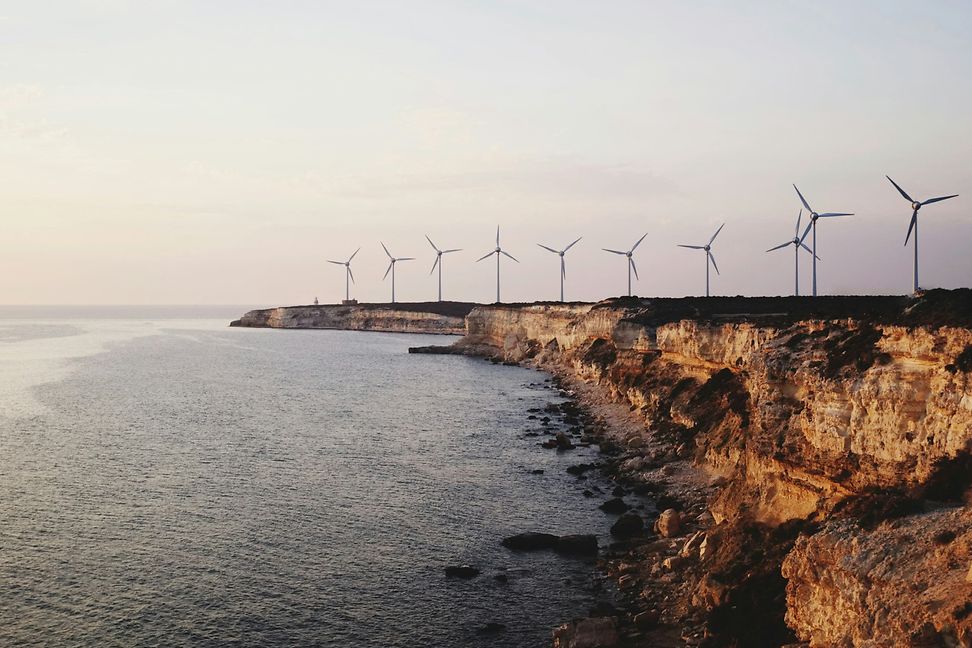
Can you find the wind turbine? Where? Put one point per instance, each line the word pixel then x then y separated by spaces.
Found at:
pixel 497 251
pixel 391 268
pixel 708 256
pixel 797 243
pixel 438 261
pixel 813 225
pixel 631 263
pixel 915 206
pixel 348 276
pixel 563 266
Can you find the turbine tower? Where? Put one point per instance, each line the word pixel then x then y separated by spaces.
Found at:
pixel 391 268
pixel 438 261
pixel 348 276
pixel 497 251
pixel 631 263
pixel 797 243
pixel 563 267
pixel 915 206
pixel 708 256
pixel 813 225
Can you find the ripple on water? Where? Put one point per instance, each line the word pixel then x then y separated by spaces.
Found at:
pixel 253 487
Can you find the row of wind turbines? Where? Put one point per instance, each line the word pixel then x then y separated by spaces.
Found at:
pixel 798 243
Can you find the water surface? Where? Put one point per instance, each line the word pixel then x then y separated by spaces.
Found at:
pixel 177 482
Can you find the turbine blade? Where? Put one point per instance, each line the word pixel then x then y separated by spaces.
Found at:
pixel 453 250
pixel 900 190
pixel 796 232
pixel 336 262
pixel 350 274
pixel 573 244
pixel 808 250
pixel 639 241
pixel 386 250
pixel 504 253
pixel 353 255
pixel 807 231
pixel 388 270
pixel 614 251
pixel 547 248
pixel 563 268
pixel 716 234
pixel 712 259
pixel 634 267
pixel 803 200
pixel 405 259
pixel 694 247
pixel 935 200
pixel 497 236
pixel 434 263
pixel 832 214
pixel 486 257
pixel 911 225
pixel 431 243
pixel 780 246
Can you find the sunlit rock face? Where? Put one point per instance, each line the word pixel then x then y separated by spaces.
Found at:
pixel 901 584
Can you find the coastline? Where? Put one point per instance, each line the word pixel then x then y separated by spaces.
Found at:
pixel 727 410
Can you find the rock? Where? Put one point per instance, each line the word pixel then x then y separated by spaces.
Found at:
pixel 580 469
pixel 968 577
pixel 461 571
pixel 627 581
pixel 618 492
pixel 692 545
pixel 673 563
pixel 647 619
pixel 710 593
pixel 577 545
pixel 538 471
pixel 628 525
pixel 615 505
pixel 563 442
pixel 491 628
pixel 530 541
pixel 669 523
pixel 597 632
pixel 587 493
pixel 603 609
pixel 501 578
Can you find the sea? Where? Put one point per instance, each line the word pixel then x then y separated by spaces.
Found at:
pixel 166 480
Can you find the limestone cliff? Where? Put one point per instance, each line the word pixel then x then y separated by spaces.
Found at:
pixel 818 411
pixel 432 317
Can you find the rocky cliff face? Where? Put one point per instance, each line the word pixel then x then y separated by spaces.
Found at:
pixel 444 317
pixel 833 413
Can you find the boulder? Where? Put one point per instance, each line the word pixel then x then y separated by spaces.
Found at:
pixel 577 545
pixel 647 619
pixel 615 505
pixel 461 571
pixel 669 523
pixel 598 632
pixel 628 525
pixel 491 628
pixel 563 442
pixel 530 541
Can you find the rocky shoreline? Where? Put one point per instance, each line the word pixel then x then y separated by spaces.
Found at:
pixel 811 469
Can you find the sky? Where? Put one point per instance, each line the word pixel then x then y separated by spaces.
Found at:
pixel 185 152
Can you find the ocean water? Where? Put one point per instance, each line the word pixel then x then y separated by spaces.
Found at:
pixel 168 481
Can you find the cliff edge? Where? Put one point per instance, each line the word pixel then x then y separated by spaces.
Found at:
pixel 835 432
pixel 422 317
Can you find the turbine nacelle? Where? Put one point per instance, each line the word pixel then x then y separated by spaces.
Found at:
pixel 916 206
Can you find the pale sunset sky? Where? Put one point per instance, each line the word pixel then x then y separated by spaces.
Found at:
pixel 189 152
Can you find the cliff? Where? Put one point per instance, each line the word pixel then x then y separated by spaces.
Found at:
pixel 837 430
pixel 429 317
